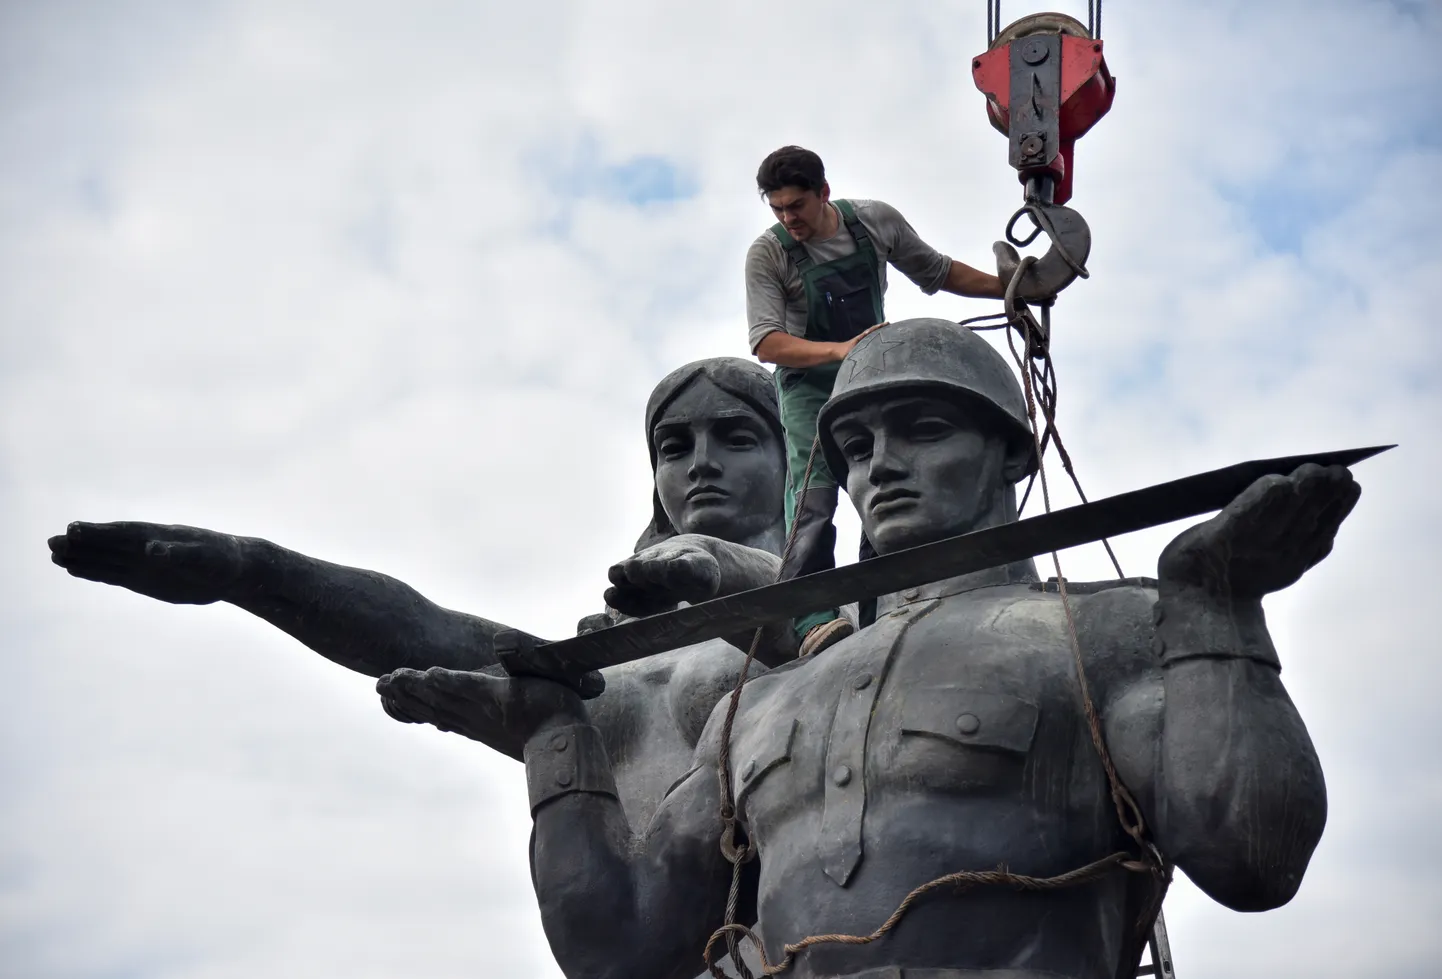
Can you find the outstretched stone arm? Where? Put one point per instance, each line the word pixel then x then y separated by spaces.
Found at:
pixel 1239 801
pixel 616 901
pixel 363 620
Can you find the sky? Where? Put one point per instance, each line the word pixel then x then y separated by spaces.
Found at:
pixel 389 284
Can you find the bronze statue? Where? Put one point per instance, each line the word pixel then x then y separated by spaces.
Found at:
pixel 951 736
pixel 714 436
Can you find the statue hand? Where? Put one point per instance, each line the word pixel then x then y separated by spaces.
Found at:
pixel 501 711
pixel 183 565
pixel 681 569
pixel 1265 539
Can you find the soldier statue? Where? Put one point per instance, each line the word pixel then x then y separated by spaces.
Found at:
pixel 950 735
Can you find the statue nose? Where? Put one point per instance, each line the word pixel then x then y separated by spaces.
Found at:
pixel 703 459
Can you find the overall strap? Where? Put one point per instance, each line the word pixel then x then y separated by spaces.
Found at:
pixel 859 234
pixel 794 250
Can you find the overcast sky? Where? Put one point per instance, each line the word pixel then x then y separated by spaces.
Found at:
pixel 389 284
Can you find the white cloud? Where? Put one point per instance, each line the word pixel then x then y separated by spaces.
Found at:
pixel 301 271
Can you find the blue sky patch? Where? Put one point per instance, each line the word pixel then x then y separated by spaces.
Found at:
pixel 644 180
pixel 640 181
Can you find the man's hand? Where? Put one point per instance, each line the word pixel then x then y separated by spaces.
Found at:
pixel 850 345
pixel 1265 539
pixel 181 565
pixel 785 350
pixel 500 711
pixel 681 569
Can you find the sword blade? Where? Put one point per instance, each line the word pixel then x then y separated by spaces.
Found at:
pixel 1140 509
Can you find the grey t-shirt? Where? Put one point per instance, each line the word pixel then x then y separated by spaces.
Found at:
pixel 775 299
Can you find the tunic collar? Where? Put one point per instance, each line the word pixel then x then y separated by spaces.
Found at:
pixel 1021 572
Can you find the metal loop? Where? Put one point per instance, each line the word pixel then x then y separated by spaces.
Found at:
pixel 1011 228
pixel 734 854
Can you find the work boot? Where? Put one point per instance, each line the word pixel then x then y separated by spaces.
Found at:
pixel 824 636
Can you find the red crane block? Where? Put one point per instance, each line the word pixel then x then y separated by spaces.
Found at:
pixel 1054 86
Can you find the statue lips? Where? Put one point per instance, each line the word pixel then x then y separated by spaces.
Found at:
pixel 706 495
pixel 892 501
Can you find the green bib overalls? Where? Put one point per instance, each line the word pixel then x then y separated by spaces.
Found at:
pixel 843 299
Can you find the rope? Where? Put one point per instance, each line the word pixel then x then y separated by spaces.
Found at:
pixel 962 881
pixel 740 855
pixel 1042 381
pixel 1128 812
pixel 1038 374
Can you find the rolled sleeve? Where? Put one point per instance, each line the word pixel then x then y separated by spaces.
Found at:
pixel 911 256
pixel 765 292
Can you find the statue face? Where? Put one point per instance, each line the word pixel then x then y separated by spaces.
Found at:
pixel 920 469
pixel 720 469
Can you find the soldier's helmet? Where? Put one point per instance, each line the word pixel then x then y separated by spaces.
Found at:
pixel 930 356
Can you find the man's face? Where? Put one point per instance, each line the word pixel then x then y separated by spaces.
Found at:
pixel 920 469
pixel 801 212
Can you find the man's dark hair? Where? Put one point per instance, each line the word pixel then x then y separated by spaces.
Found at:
pixel 790 166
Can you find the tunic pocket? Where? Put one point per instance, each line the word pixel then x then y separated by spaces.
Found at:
pixel 761 754
pixel 965 740
pixel 992 721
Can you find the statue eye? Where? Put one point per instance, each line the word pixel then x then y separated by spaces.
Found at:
pixel 856 448
pixel 929 427
pixel 673 447
pixel 742 439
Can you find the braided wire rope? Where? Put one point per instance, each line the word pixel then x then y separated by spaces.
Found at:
pixel 739 856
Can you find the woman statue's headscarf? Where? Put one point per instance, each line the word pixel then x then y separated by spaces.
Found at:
pixel 743 379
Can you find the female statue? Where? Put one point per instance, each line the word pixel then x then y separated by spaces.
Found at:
pixel 714 437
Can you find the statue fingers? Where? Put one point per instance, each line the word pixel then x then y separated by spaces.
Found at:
pixel 1339 507
pixel 641 570
pixel 632 600
pixel 473 700
pixel 443 681
pixel 1329 499
pixel 449 720
pixel 617 573
pixel 98 571
pixel 404 698
pixel 1260 513
pixel 124 537
pixel 59 549
pixel 699 568
pixel 688 573
pixel 394 709
pixel 82 562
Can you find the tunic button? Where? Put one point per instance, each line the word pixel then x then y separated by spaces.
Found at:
pixel 559 743
pixel 862 682
pixel 563 779
pixel 968 724
pixel 842 775
pixel 911 594
pixel 749 770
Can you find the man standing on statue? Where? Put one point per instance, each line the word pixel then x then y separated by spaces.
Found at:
pixel 814 285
